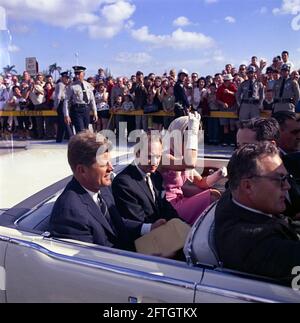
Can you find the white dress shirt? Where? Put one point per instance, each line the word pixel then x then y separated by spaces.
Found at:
pixel 250 209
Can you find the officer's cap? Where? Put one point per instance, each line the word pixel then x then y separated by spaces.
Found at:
pixel 251 69
pixel 65 74
pixel 285 67
pixel 183 71
pixel 79 69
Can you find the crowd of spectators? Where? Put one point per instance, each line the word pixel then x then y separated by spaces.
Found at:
pixel 138 92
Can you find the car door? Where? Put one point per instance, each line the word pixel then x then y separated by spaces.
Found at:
pixel 231 287
pixel 46 270
pixel 3 246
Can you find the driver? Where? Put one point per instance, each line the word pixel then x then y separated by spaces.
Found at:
pixel 251 233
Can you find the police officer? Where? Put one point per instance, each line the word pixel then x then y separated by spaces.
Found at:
pixel 59 97
pixel 286 91
pixel 181 102
pixel 79 101
pixel 250 96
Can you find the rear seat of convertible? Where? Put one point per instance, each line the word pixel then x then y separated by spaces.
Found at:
pixel 200 247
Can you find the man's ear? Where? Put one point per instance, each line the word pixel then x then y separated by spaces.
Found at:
pixel 247 186
pixel 80 170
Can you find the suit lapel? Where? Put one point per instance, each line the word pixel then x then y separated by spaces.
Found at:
pixel 142 184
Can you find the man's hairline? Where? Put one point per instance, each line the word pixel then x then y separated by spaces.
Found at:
pixel 258 162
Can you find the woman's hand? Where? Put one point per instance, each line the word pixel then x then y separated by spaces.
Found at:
pixel 216 176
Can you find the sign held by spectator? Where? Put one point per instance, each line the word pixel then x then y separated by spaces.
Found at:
pixel 31 66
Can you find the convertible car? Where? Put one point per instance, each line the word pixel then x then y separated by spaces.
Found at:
pixel 35 267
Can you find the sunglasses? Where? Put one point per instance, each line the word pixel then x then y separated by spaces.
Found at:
pixel 281 180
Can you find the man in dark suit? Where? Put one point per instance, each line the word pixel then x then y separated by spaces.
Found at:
pixel 251 234
pixel 86 209
pixel 138 189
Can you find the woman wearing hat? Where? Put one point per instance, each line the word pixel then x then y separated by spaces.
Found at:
pixel 179 170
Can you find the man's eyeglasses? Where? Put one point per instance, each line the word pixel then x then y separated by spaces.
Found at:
pixel 279 179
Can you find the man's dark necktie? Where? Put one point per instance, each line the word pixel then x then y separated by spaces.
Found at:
pixel 282 88
pixel 85 98
pixel 104 209
pixel 150 185
pixel 250 91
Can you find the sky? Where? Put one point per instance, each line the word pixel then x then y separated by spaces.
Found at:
pixel 151 35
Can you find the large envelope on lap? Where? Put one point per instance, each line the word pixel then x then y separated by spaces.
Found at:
pixel 165 240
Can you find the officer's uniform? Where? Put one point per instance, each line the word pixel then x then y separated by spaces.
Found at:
pixel 250 97
pixel 59 97
pixel 286 93
pixel 180 96
pixel 79 101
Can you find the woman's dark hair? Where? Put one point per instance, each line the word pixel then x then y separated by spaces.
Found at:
pixel 15 87
pixel 202 79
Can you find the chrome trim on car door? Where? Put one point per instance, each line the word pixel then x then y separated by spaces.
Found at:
pixel 232 294
pixel 103 266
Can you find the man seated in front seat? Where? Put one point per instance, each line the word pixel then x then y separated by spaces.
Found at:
pixel 86 209
pixel 251 234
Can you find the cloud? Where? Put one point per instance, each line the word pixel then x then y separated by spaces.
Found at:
pixel 230 20
pixel 291 7
pixel 179 39
pixel 118 12
pixel 101 18
pixel 137 58
pixel 181 21
pixel 96 31
pixel 13 49
pixel 116 16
